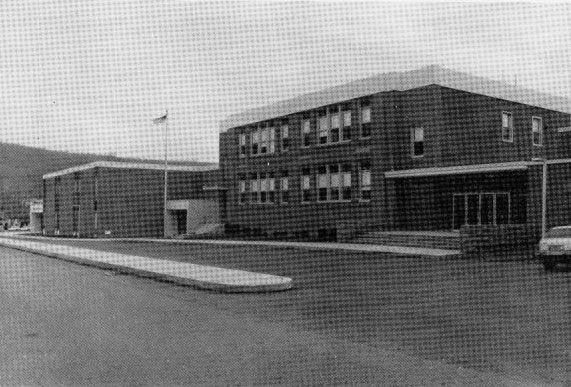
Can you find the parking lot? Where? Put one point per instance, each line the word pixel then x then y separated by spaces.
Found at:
pixel 508 317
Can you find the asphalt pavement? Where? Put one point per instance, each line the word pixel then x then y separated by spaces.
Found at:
pixel 68 325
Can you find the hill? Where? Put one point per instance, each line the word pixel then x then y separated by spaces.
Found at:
pixel 22 168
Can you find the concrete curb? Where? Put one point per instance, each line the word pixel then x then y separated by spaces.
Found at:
pixel 272 284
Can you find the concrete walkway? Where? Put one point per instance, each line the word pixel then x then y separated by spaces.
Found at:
pixel 200 276
pixel 399 250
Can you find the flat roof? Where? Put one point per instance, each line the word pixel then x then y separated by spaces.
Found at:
pixel 399 81
pixel 127 165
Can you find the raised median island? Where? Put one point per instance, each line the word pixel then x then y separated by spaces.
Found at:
pixel 200 276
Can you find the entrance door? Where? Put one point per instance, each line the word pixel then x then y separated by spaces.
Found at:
pixel 480 209
pixel 180 217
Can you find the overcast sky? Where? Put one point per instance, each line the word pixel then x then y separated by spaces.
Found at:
pixel 90 76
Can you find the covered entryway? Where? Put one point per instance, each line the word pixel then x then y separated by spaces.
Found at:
pixel 186 216
pixel 480 208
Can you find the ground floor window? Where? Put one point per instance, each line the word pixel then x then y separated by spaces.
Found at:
pixel 365 180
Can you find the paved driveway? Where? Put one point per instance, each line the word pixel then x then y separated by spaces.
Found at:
pixel 509 317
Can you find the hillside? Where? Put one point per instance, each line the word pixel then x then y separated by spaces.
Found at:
pixel 22 168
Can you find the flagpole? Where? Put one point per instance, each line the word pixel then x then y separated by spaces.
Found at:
pixel 165 214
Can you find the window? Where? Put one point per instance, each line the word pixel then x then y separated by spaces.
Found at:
pixel 242 142
pixel 335 124
pixel 418 142
pixel 365 180
pixel 254 188
pixel 272 140
pixel 264 141
pixel 264 187
pixel 334 182
pixel 284 133
pixel 507 127
pixel 346 125
pixel 284 187
pixel 306 185
pixel 323 130
pixel 346 181
pixel 242 194
pixel 322 183
pixel 537 130
pixel 306 132
pixel 255 141
pixel 365 119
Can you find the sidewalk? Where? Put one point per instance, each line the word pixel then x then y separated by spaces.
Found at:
pixel 200 276
pixel 399 250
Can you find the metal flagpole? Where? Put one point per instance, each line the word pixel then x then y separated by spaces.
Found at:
pixel 166 174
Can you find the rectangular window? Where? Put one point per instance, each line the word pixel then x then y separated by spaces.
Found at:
pixel 255 141
pixel 335 125
pixel 417 142
pixel 264 188
pixel 322 183
pixel 346 125
pixel 242 195
pixel 334 183
pixel 323 130
pixel 272 140
pixel 264 139
pixel 242 142
pixel 507 127
pixel 284 187
pixel 365 119
pixel 254 188
pixel 306 132
pixel 537 130
pixel 365 181
pixel 284 133
pixel 306 185
pixel 346 181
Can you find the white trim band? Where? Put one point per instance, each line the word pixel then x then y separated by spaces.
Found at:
pixel 122 165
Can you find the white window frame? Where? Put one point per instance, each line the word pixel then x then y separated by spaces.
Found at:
pixel 535 119
pixel 284 187
pixel 363 121
pixel 323 127
pixel 509 127
pixel 305 186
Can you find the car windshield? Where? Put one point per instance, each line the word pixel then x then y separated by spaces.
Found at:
pixel 559 233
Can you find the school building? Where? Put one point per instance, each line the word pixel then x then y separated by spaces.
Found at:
pixel 423 150
pixel 119 199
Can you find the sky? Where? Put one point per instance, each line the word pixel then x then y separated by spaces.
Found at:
pixel 90 76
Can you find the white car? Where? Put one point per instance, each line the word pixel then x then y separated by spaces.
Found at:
pixel 555 247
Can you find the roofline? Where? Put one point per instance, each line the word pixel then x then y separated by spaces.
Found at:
pixel 468 169
pixel 126 165
pixel 398 81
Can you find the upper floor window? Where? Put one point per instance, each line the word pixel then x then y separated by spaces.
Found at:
pixel 323 129
pixel 507 127
pixel 255 142
pixel 306 132
pixel 242 142
pixel 537 130
pixel 284 133
pixel 346 125
pixel 417 142
pixel 263 141
pixel 365 119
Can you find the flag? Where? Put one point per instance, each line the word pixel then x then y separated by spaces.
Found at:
pixel 160 120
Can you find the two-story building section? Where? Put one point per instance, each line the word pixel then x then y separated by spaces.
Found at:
pixel 429 149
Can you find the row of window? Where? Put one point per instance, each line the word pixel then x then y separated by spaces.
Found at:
pixel 325 183
pixel 508 128
pixel 334 124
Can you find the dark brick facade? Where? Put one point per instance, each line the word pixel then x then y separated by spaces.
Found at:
pixel 126 202
pixel 460 129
